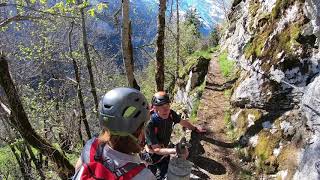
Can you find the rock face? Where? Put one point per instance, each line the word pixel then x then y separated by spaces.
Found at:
pixel 311 109
pixel 186 94
pixel 276 44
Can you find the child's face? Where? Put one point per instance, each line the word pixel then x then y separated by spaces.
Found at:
pixel 163 111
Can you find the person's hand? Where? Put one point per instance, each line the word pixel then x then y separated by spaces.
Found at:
pixel 184 153
pixel 200 130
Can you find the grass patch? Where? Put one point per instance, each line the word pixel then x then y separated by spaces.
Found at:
pixel 204 53
pixel 215 49
pixel 9 164
pixel 227 93
pixel 245 175
pixel 227 66
pixel 195 107
pixel 230 127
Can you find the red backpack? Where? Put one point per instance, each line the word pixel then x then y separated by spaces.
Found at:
pixel 100 168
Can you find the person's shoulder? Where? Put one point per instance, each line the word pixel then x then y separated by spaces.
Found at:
pixel 174 114
pixel 145 174
pixel 173 111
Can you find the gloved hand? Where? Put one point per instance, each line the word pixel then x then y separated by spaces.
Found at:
pixel 200 129
pixel 182 148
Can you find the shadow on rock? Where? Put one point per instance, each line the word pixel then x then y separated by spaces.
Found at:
pixel 209 165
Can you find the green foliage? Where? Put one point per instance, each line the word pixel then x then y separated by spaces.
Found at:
pixel 8 164
pixel 204 53
pixel 227 66
pixel 245 175
pixel 71 1
pixel 227 93
pixel 148 81
pixel 101 7
pixel 91 12
pixel 215 49
pixel 189 39
pixel 194 112
pixel 192 18
pixel 227 119
pixel 192 60
pixel 214 38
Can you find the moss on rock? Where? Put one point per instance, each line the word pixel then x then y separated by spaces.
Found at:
pixel 267 142
pixel 288 159
pixel 242 120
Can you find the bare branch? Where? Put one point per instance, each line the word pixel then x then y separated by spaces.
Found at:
pixel 145 45
pixel 17 18
pixel 5 108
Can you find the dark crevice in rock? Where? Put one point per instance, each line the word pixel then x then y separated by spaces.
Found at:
pixel 307 40
pixel 235 3
pixel 311 77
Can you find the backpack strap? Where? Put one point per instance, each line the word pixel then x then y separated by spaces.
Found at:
pixel 129 170
pixel 93 149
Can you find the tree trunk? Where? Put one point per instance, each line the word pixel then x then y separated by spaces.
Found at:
pixel 25 160
pixel 36 162
pixel 83 116
pixel 21 123
pixel 178 44
pixel 88 60
pixel 19 160
pixel 160 46
pixel 127 51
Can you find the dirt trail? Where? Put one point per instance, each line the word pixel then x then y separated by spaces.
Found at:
pixel 219 161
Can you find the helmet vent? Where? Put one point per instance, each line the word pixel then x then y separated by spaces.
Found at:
pixel 107 106
pixel 137 99
pixel 143 103
pixel 128 112
pixel 137 114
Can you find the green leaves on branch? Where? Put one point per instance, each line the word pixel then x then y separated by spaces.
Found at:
pixel 97 8
pixel 69 6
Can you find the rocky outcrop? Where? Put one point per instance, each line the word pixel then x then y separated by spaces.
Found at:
pixel 276 44
pixel 311 109
pixel 187 94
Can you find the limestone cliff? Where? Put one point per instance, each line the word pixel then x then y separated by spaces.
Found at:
pixel 276 98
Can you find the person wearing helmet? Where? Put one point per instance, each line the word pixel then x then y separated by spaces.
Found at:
pixel 158 133
pixel 123 113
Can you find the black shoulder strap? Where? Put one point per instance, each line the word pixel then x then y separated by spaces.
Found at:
pixel 126 168
pixel 99 152
pixel 107 162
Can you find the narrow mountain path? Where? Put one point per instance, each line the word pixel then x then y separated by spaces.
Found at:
pixel 219 160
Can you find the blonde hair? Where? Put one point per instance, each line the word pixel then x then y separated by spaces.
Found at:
pixel 124 144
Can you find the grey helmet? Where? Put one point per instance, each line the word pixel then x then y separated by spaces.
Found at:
pixel 123 110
